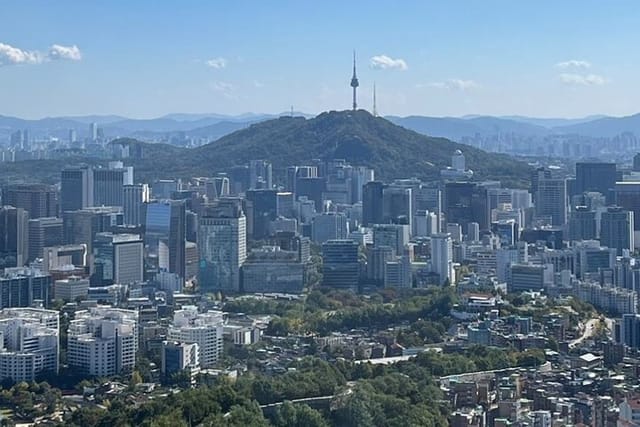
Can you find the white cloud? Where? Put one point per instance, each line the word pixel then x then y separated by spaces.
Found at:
pixel 384 62
pixel 582 79
pixel 10 55
pixel 58 52
pixel 573 63
pixel 217 63
pixel 226 89
pixel 453 85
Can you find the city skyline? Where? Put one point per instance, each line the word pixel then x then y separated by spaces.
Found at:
pixel 425 59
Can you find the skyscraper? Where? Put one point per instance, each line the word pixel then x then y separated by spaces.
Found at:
pixel 39 200
pixel 222 246
pixel 466 202
pixel 93 131
pixel 627 195
pixel 165 235
pixel 260 175
pixel 582 224
pixel 14 236
pixel 117 258
pixel 442 257
pixel 135 196
pixel 397 206
pixel 76 188
pixel 372 193
pixel 596 176
pixel 551 200
pixel 329 226
pixel 83 225
pixel 340 263
pixel 44 232
pixel 265 209
pixel 108 186
pixel 616 229
pixel 395 236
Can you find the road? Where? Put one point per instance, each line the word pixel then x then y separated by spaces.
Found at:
pixel 589 330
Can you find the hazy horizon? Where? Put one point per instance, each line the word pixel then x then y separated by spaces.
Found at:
pixel 436 59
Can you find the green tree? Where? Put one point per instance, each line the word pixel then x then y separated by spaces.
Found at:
pixel 290 415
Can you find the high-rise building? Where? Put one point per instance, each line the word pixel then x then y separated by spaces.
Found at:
pixel 135 196
pixel 627 196
pixel 341 267
pixel 372 193
pixel 582 224
pixel 329 226
pixel 397 206
pixel 108 186
pixel 551 200
pixel 271 269
pixel 466 202
pixel 14 236
pixel 616 230
pixel 103 341
pixel 506 230
pixel 30 344
pixel 217 187
pixel 313 189
pixel 442 257
pixel 203 329
pixel 93 131
pixel 536 176
pixel 165 235
pixel 630 330
pixel 286 204
pixel 178 357
pixel 81 227
pixel 76 188
pixel 44 232
pixel 265 210
pixel 377 258
pixel 426 223
pixel 21 286
pixel 530 277
pixel 63 256
pixel 117 258
pixel 395 236
pixel 71 289
pixel 222 247
pixel 164 188
pixel 596 176
pixel 260 175
pixel 39 200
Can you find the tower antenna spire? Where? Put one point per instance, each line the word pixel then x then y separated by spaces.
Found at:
pixel 354 82
pixel 375 109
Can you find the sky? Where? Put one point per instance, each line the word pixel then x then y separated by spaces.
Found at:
pixel 144 58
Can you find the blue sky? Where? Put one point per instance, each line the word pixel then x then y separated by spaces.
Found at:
pixel 148 58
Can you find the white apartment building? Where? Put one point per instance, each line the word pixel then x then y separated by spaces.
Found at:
pixel 30 343
pixel 204 329
pixel 103 341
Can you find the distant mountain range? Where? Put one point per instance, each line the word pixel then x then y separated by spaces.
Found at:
pixel 210 127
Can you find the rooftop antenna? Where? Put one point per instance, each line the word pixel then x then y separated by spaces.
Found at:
pixel 375 110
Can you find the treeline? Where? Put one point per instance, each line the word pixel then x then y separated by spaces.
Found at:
pixel 364 395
